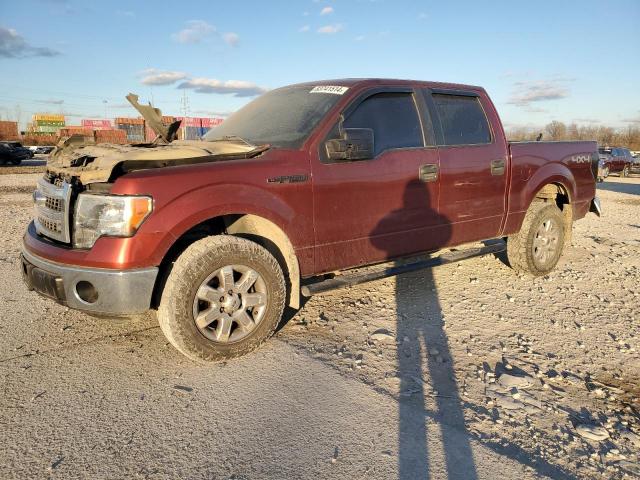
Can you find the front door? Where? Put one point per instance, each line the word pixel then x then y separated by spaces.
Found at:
pixel 386 206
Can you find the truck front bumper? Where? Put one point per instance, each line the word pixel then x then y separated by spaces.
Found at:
pixel 96 290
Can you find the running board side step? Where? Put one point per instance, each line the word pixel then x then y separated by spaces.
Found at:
pixel 444 259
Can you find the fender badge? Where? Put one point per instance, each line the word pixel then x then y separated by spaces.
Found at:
pixel 288 179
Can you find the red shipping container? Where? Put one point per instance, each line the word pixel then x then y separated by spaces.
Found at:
pixel 101 124
pixel 69 131
pixel 188 121
pixel 149 134
pixel 211 122
pixel 129 121
pixel 111 136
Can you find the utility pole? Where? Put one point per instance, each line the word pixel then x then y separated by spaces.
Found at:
pixel 184 104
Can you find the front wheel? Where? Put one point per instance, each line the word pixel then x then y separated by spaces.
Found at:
pixel 625 171
pixel 16 161
pixel 537 247
pixel 224 296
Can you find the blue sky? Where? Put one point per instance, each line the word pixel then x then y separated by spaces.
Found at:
pixel 540 61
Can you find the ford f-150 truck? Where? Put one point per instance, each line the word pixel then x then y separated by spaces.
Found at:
pixel 288 194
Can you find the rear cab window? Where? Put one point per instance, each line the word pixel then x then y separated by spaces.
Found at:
pixel 462 119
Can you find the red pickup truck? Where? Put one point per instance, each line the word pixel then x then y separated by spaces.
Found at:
pixel 300 185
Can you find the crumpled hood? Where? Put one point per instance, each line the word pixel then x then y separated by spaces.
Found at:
pixel 93 163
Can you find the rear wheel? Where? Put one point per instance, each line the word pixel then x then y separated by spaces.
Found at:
pixel 625 171
pixel 16 161
pixel 537 247
pixel 224 296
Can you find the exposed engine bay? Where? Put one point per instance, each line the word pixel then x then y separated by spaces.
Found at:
pixel 76 158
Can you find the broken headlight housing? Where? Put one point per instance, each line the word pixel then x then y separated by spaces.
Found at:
pixel 96 216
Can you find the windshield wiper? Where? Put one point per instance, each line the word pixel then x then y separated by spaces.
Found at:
pixel 231 138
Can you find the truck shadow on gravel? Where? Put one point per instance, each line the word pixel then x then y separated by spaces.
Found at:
pixel 429 397
pixel 423 347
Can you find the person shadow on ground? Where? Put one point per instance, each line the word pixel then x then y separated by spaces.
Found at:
pixel 424 361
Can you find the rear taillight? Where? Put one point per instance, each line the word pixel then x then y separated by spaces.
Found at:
pixel 595 162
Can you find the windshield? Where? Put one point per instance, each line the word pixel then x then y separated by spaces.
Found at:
pixel 282 118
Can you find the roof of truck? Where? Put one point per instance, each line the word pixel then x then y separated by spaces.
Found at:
pixel 357 82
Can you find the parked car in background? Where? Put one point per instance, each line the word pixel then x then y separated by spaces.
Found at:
pixel 41 149
pixel 603 169
pixel 14 153
pixel 616 160
pixel 635 166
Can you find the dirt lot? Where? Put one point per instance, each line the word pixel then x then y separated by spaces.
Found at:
pixel 467 371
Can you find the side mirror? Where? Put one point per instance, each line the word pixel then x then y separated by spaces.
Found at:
pixel 355 144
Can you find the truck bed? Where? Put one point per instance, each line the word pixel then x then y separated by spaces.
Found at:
pixel 534 164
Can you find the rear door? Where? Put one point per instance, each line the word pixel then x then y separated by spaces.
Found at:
pixel 386 206
pixel 473 164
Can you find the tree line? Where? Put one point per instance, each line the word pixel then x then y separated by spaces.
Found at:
pixel 628 137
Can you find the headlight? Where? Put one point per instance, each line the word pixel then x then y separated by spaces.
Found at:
pixel 107 215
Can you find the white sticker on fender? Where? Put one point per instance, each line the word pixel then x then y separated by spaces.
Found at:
pixel 336 90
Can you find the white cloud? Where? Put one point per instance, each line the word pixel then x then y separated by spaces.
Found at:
pixel 13 45
pixel 213 113
pixel 51 102
pixel 305 14
pixel 331 29
pixel 360 38
pixel 195 32
pixel 119 106
pixel 326 11
pixel 589 120
pixel 126 13
pixel 422 16
pixel 237 88
pixel 304 28
pixel 231 38
pixel 530 91
pixel 153 76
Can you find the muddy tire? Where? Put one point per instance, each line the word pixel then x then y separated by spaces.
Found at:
pixel 224 296
pixel 537 248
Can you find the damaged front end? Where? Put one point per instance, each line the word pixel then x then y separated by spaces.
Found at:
pixel 88 162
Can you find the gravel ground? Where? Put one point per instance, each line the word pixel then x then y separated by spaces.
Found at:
pixel 466 371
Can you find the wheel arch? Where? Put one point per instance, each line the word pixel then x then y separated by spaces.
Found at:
pixel 253 227
pixel 558 192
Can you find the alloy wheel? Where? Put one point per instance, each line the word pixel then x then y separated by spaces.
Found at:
pixel 230 303
pixel 546 242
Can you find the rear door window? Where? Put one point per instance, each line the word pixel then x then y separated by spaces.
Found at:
pixel 462 119
pixel 392 116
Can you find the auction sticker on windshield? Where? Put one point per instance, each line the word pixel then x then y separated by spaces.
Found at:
pixel 336 90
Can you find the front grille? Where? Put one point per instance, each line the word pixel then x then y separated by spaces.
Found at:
pixel 52 202
pixel 50 225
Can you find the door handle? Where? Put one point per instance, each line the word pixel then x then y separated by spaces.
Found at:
pixel 428 172
pixel 497 167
